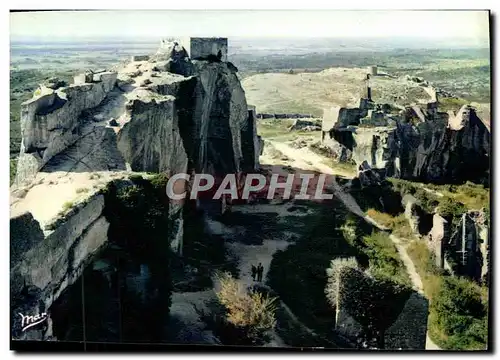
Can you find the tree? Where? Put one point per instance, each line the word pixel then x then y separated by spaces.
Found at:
pixel 333 272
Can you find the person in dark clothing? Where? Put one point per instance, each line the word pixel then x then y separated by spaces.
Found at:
pixel 260 270
pixel 254 272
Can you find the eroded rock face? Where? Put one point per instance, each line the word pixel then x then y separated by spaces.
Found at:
pixel 221 117
pixel 45 263
pixel 468 246
pixel 51 123
pixel 197 123
pixel 437 151
pixel 167 114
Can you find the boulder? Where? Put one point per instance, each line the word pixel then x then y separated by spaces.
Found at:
pixel 54 83
pixel 173 57
pixel 367 176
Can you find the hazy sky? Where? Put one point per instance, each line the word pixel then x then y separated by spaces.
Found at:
pixel 324 23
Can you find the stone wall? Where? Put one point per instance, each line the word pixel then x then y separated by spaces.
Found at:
pixel 465 247
pixel 439 237
pixel 283 116
pixel 139 58
pixel 337 116
pixel 204 48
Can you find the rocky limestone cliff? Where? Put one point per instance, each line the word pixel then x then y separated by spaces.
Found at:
pixel 167 114
pixel 437 150
pixel 157 118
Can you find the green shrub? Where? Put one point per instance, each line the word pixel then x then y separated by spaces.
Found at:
pixel 13 170
pixel 458 311
pixel 426 200
pixel 449 208
pixel 403 186
pixel 459 315
pixel 384 259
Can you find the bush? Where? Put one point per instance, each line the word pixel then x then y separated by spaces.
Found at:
pixel 403 186
pixel 449 208
pixel 248 313
pixel 426 200
pixel 459 315
pixel 384 259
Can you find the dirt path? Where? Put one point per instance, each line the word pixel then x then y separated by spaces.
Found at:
pixel 412 272
pixel 304 158
pixel 415 279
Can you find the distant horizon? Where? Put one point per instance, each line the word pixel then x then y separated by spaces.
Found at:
pixel 408 42
pixel 143 25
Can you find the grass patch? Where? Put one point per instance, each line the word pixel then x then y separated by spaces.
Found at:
pixel 398 224
pixel 82 190
pixel 453 104
pixel 13 169
pixel 274 127
pixel 473 196
pixel 456 199
pixel 424 262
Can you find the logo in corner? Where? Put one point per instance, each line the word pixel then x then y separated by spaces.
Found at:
pixel 28 321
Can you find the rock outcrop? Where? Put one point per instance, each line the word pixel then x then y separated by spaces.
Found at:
pixel 435 149
pixel 46 262
pixel 468 247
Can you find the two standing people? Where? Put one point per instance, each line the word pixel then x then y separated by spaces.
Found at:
pixel 257 272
